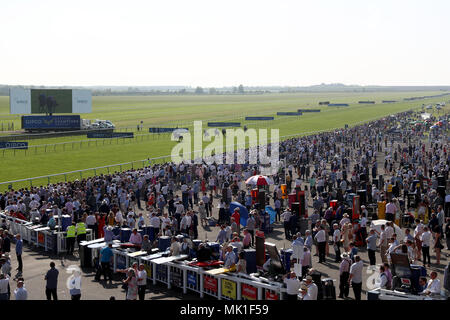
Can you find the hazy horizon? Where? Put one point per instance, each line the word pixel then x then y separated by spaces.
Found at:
pixel 263 43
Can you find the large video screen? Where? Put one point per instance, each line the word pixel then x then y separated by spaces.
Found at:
pixel 49 101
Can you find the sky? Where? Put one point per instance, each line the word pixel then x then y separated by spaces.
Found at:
pixel 212 43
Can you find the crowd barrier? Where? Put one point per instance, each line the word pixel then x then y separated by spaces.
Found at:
pixel 40 236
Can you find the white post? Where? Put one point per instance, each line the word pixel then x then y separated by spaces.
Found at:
pixel 169 285
pixel 184 281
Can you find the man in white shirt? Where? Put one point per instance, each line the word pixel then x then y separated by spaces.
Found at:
pixel 119 218
pixel 389 230
pixel 155 223
pixel 312 288
pixel 337 242
pixel 297 248
pixel 141 281
pixel 433 285
pixel 320 237
pixel 175 247
pixel 286 216
pixel 355 277
pixel 292 285
pixel 425 237
pixel 391 210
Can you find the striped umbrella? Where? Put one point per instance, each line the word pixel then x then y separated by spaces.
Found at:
pixel 259 180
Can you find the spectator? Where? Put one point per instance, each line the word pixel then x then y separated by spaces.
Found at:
pixel 355 277
pixel 51 286
pixel 20 293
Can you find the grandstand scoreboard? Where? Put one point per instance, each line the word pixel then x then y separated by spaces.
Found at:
pixel 49 101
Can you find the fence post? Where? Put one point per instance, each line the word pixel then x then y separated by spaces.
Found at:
pixel 81 175
pixel 95 172
pixel 31 182
pixel 65 177
pixel 48 178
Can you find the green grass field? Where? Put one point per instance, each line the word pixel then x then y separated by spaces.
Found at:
pixel 126 112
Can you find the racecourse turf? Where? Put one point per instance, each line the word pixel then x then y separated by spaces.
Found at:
pixel 53 155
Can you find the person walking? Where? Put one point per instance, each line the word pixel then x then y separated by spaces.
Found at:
pixel 355 277
pixel 52 282
pixel 383 244
pixel 75 286
pixel 131 282
pixel 337 242
pixel 19 248
pixel 286 216
pixel 106 255
pixel 371 241
pixel 141 281
pixel 425 238
pixel 320 237
pixel 70 238
pixel 344 273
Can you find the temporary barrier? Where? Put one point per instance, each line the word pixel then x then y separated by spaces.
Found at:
pixel 177 275
pixel 146 260
pixel 120 260
pixel 193 279
pixel 134 257
pixel 229 288
pixel 211 285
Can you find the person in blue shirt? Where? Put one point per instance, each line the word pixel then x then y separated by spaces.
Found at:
pixel 106 255
pixel 51 222
pixel 19 246
pixel 222 236
pixel 353 251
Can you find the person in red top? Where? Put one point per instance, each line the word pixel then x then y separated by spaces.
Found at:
pixel 17 215
pixel 101 224
pixel 151 200
pixel 237 217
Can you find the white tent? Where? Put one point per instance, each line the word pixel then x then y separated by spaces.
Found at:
pixel 376 224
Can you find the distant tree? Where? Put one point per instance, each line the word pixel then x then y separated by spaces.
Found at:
pixel 235 90
pixel 212 91
pixel 199 90
pixel 241 88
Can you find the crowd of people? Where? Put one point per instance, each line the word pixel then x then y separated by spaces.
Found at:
pixel 174 199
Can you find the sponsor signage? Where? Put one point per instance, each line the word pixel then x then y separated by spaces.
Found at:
pixel 229 289
pixel 289 113
pixel 367 102
pixel 308 110
pixel 106 135
pixel 271 295
pixel 14 145
pixel 162 130
pixel 249 292
pixel 259 118
pixel 51 122
pixel 210 284
pixel 338 105
pixel 224 124
pixel 191 279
